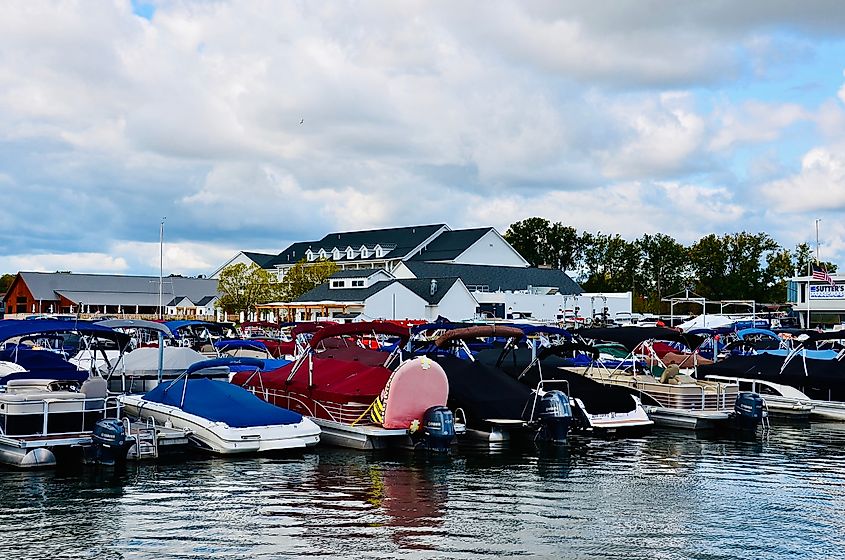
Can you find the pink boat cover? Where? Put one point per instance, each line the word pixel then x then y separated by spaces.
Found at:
pixel 414 387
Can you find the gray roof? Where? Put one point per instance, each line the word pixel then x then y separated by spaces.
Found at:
pixel 360 273
pixel 450 244
pixel 419 286
pixel 397 242
pixel 496 277
pixel 100 289
pixel 261 259
pixel 291 255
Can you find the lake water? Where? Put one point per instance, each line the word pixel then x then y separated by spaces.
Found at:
pixel 665 495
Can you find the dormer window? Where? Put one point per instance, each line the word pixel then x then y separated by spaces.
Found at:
pixel 365 253
pixel 323 253
pixel 336 254
pixel 337 284
pixel 350 253
pixel 309 254
pixel 379 252
pixel 358 283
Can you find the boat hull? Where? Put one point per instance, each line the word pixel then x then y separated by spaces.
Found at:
pixel 219 438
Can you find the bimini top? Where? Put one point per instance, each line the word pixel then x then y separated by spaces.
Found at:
pixel 176 325
pixel 543 329
pixel 480 331
pixel 220 401
pixel 743 333
pixel 367 327
pixel 137 324
pixel 631 337
pixel 11 328
pixel 238 343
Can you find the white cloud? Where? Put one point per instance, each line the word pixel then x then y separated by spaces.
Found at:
pixel 755 122
pixel 413 112
pixel 75 262
pixel 820 185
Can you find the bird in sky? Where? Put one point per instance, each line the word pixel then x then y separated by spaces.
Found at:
pixel 301 121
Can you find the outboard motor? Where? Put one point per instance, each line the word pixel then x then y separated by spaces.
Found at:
pixel 749 410
pixel 438 429
pixel 555 415
pixel 110 442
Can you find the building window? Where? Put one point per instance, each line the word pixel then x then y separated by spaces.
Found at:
pixel 357 283
pixel 364 253
pixel 337 283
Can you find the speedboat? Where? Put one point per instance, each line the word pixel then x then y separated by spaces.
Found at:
pixel 362 397
pixel 497 409
pixel 673 399
pixel 223 418
pixel 810 374
pixel 596 407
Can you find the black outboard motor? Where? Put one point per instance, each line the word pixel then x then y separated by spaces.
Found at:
pixel 555 415
pixel 749 410
pixel 110 441
pixel 438 429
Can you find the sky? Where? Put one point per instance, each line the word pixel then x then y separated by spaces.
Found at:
pixel 251 125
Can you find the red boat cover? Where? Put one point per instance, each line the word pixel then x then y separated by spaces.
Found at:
pixel 378 327
pixel 334 380
pixel 356 354
pixel 415 386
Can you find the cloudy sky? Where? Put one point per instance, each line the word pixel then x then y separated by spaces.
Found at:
pixel 626 117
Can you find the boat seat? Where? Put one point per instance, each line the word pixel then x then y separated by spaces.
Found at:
pixel 94 388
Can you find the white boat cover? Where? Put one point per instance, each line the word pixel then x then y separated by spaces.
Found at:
pixel 145 360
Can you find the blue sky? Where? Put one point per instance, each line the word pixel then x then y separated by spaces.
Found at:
pixel 630 118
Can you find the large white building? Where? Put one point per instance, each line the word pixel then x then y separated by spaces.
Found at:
pixel 423 272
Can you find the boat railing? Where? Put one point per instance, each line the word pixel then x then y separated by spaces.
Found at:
pixel 540 390
pixel 337 412
pixel 89 410
pixel 690 396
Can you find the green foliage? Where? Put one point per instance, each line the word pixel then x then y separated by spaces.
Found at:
pixel 543 243
pixel 740 266
pixel 305 276
pixel 6 282
pixel 243 286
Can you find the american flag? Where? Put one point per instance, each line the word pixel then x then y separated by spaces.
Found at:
pixel 820 273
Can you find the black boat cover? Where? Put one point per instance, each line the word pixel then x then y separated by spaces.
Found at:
pixel 483 391
pixel 821 378
pixel 631 337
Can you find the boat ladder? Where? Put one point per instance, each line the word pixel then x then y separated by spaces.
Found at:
pixel 146 439
pixel 766 422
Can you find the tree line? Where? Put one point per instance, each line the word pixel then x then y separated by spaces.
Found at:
pixel 733 266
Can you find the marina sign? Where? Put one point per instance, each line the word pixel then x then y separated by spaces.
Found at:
pixel 826 291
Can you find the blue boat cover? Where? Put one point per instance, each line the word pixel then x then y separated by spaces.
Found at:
pixel 219 401
pixel 240 343
pixel 10 328
pixel 34 360
pixel 227 361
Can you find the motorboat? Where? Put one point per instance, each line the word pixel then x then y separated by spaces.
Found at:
pixel 223 418
pixel 49 408
pixel 498 410
pixel 362 397
pixel 811 374
pixel 672 398
pixel 596 407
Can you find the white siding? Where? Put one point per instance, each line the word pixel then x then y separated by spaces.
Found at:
pixel 402 272
pixel 456 305
pixel 237 259
pixel 408 305
pixel 491 249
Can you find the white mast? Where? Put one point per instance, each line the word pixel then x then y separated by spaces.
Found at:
pixel 161 267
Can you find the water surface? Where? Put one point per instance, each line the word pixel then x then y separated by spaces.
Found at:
pixel 665 495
